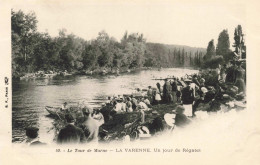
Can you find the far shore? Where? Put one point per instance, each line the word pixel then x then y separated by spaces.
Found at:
pixel 88 72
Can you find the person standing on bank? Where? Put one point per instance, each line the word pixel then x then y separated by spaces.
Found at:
pixel 167 89
pixel 188 98
pixel 71 134
pixel 150 93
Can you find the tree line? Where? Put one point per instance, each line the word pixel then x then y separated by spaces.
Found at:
pixel 222 53
pixel 33 51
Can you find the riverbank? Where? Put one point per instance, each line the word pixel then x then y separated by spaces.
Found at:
pixel 64 74
pixel 91 73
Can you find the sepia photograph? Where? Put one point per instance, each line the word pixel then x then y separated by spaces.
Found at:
pixel 159 78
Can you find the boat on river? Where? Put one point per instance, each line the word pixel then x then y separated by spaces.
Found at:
pixel 54 111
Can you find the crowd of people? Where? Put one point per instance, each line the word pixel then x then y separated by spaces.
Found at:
pixel 206 90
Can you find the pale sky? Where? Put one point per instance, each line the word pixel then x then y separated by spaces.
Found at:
pixel 191 24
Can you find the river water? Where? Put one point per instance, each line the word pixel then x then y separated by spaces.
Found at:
pixel 29 98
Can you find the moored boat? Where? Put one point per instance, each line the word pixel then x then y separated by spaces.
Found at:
pixel 54 111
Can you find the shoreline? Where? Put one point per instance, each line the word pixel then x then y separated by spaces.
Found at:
pixel 96 72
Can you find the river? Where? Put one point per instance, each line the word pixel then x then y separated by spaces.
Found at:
pixel 29 98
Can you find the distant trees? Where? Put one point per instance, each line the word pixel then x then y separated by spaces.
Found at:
pixel 174 56
pixel 223 52
pixel 33 51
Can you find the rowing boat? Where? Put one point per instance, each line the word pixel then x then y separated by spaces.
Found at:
pixel 55 111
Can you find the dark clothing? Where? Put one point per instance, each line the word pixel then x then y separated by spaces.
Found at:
pixel 156 125
pixel 134 103
pixel 71 134
pixel 187 95
pixel 178 94
pixel 210 95
pixel 231 75
pixel 105 111
pixel 181 120
pixel 159 87
pixel 174 86
pixel 167 89
pixel 174 97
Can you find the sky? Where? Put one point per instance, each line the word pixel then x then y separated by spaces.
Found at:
pixel 191 24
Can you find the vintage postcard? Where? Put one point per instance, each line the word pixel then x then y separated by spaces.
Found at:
pixel 129 82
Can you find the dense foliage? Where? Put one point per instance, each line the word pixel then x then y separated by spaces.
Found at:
pixel 223 46
pixel 223 54
pixel 33 51
pixel 211 51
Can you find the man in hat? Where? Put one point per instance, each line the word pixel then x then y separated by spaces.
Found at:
pixel 71 134
pixel 181 119
pixel 32 137
pixel 64 107
pixel 188 98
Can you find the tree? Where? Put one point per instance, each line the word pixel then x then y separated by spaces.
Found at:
pixel 210 50
pixel 23 27
pixel 239 43
pixel 223 46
